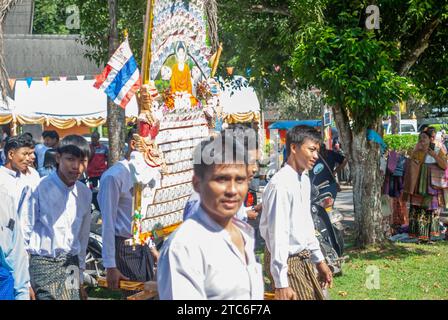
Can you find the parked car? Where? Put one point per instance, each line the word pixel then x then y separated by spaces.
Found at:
pixel 407 126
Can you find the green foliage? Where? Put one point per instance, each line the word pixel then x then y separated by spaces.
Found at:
pixel 401 143
pixel 262 34
pixel 95 26
pixel 300 104
pixel 440 127
pixel 353 68
pixel 50 17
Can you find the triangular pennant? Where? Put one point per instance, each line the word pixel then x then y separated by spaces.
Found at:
pixel 12 83
pixel 81 78
pixel 29 81
pixel 63 78
pixel 46 79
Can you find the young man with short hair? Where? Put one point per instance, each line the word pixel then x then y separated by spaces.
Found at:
pixel 30 177
pixel 50 141
pixel 18 152
pixel 56 225
pixel 287 226
pixel 211 255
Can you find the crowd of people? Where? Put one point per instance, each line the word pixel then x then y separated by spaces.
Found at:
pixel 418 186
pixel 45 228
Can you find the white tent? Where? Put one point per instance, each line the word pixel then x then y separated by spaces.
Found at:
pixel 64 100
pixel 239 101
pixel 63 104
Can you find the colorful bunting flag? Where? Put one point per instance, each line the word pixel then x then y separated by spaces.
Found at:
pixel 29 80
pixel 12 83
pixel 46 79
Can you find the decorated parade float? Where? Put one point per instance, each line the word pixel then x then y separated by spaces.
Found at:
pixel 178 104
pixel 178 107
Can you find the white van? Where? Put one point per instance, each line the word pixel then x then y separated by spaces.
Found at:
pixel 407 126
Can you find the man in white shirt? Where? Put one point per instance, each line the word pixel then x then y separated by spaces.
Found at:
pixel 211 255
pixel 13 256
pixel 30 177
pixel 51 141
pixel 18 152
pixel 287 226
pixel 56 225
pixel 122 262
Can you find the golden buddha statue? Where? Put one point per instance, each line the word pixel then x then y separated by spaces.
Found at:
pixel 180 82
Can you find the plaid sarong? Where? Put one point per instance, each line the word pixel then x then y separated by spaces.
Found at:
pixel 55 278
pixel 301 276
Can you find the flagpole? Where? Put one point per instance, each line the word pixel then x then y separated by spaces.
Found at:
pixel 146 58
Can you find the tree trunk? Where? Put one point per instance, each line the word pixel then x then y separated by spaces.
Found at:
pixel 364 160
pixel 211 10
pixel 116 121
pixel 367 183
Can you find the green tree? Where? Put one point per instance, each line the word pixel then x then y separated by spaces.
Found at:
pixel 363 74
pixel 50 17
pixel 300 105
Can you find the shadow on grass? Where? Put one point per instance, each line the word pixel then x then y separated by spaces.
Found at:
pixel 387 250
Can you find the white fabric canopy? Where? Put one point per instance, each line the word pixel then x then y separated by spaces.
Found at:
pixel 244 99
pixel 6 108
pixel 69 99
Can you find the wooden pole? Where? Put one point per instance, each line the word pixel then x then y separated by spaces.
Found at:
pixel 146 59
pixel 216 62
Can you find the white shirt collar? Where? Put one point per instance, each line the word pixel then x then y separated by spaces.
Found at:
pixel 62 186
pixel 12 173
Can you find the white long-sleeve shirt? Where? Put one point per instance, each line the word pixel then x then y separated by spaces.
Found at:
pixel 12 246
pixel 56 219
pixel 11 180
pixel 199 261
pixel 115 201
pixel 17 183
pixel 286 223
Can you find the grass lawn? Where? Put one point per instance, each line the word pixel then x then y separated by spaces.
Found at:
pixel 406 272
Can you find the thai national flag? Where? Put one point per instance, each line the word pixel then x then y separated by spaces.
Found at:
pixel 121 77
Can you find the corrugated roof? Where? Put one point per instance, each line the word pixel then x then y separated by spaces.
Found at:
pixel 19 19
pixel 46 55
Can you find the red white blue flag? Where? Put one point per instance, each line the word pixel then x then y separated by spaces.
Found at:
pixel 121 77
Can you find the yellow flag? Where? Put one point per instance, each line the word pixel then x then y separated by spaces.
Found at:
pixel 46 79
pixel 403 107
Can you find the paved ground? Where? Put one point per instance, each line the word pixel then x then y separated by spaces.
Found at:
pixel 344 203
